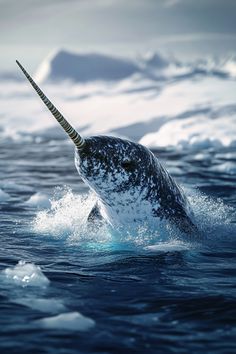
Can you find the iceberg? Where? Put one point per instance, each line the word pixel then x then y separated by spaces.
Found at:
pixel 63 65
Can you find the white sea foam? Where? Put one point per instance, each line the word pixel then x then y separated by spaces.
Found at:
pixel 4 196
pixel 26 274
pixel 212 217
pixel 71 321
pixel 39 200
pixel 67 218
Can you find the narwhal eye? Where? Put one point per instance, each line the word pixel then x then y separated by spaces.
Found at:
pixel 128 165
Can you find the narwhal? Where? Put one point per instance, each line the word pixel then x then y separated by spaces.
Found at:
pixel 131 185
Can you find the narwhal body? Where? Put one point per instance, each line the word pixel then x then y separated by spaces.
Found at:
pixel 131 185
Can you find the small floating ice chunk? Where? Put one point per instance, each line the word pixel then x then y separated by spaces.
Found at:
pixel 26 274
pixel 72 321
pixel 39 200
pixel 44 305
pixel 3 196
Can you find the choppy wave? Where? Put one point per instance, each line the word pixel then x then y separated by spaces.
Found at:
pixel 3 196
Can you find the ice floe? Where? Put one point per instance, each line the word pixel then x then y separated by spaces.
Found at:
pixel 26 274
pixel 71 321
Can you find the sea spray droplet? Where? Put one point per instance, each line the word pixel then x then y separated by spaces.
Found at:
pixel 212 216
pixel 26 274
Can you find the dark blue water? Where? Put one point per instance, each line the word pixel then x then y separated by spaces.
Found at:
pixel 178 297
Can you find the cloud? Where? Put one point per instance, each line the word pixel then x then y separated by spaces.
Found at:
pixel 170 3
pixel 194 37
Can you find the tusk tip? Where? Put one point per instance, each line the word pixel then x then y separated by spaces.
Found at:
pixel 18 63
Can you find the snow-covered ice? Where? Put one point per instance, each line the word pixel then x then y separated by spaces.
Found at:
pixel 156 100
pixel 26 274
pixel 62 65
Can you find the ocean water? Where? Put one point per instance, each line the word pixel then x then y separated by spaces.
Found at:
pixel 67 289
pixel 136 294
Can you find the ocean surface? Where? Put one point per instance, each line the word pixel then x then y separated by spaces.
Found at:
pixel 67 289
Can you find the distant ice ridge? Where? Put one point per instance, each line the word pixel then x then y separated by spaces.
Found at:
pixel 194 133
pixel 86 67
pixel 63 65
pixel 156 100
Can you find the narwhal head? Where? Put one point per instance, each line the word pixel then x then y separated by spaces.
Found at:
pixel 113 165
pixel 108 164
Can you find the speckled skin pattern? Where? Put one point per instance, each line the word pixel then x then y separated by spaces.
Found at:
pixel 131 184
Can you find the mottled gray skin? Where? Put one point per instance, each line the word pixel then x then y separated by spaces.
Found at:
pixel 131 185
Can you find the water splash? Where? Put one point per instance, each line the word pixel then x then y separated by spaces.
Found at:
pixel 213 217
pixel 67 219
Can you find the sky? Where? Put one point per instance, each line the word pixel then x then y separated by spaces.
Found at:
pixel 32 29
